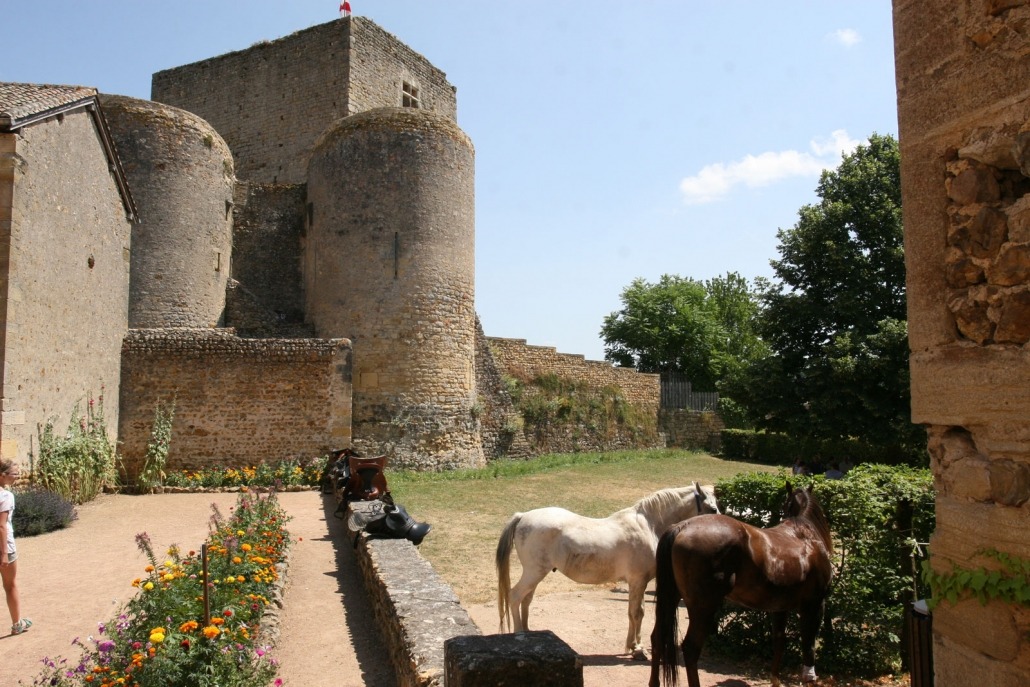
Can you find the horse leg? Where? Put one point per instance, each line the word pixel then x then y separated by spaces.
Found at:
pixel 811 619
pixel 700 623
pixel 521 597
pixel 636 619
pixel 779 635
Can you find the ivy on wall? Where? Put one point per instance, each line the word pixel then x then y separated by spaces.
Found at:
pixel 1010 583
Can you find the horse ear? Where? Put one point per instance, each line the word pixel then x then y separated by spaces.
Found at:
pixel 697 487
pixel 790 489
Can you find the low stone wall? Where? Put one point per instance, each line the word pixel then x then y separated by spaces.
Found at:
pixel 238 402
pixel 415 610
pixel 693 429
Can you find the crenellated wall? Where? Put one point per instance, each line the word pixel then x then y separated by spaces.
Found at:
pixel 963 82
pixel 237 401
pixel 524 362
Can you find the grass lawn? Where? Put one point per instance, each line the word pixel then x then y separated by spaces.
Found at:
pixel 468 509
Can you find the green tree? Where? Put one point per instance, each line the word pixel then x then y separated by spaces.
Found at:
pixel 703 330
pixel 835 318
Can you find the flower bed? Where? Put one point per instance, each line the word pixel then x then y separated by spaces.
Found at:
pixel 171 633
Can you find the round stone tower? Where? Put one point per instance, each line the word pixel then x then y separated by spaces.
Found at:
pixel 390 264
pixel 180 174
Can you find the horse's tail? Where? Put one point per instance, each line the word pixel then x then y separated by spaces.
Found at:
pixel 667 598
pixel 503 560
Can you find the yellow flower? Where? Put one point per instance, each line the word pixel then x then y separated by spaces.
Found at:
pixel 211 632
pixel 167 577
pixel 148 586
pixel 240 533
pixel 246 547
pixel 157 637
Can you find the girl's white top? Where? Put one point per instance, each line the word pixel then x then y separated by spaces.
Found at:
pixel 7 504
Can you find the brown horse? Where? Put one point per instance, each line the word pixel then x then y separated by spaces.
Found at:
pixel 714 557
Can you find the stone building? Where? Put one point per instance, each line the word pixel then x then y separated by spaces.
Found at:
pixel 66 216
pixel 963 82
pixel 300 272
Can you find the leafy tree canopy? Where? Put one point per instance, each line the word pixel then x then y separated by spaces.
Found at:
pixel 703 330
pixel 835 317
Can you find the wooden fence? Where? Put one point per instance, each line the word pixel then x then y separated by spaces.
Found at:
pixel 677 393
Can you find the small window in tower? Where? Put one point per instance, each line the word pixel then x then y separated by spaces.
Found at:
pixel 410 96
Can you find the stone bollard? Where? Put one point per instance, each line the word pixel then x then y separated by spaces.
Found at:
pixel 538 658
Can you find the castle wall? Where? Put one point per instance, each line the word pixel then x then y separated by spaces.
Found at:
pixel 64 265
pixel 963 81
pixel 500 422
pixel 271 101
pixel 267 249
pixel 643 391
pixel 521 360
pixel 390 264
pixel 180 171
pixel 238 402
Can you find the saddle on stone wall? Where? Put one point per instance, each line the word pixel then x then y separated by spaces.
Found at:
pixel 389 521
pixel 367 478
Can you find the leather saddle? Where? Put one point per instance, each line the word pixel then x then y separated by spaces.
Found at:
pixel 367 478
pixel 353 477
pixel 389 521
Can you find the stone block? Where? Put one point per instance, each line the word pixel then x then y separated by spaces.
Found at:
pixel 990 629
pixel 538 658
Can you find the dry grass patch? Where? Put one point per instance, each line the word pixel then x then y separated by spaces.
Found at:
pixel 469 509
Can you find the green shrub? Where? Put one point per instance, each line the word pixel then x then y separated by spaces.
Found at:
pixel 774 448
pixel 153 473
pixel 81 463
pixel 39 511
pixel 876 513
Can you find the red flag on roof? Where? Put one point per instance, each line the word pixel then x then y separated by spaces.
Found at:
pixel 344 9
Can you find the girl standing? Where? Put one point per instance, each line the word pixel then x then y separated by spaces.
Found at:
pixel 8 553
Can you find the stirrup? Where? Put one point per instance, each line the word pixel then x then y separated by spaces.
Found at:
pixel 21 626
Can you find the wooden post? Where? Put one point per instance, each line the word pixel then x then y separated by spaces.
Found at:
pixel 207 582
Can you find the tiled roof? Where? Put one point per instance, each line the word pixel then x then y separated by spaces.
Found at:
pixel 25 101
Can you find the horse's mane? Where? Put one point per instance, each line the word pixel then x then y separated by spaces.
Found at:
pixel 659 504
pixel 812 512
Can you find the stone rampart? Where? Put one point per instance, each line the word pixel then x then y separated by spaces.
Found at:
pixel 525 363
pixel 238 402
pixel 521 360
pixel 692 429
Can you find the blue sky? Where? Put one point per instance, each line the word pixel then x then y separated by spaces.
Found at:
pixel 614 140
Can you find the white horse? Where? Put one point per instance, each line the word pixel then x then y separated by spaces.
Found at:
pixel 592 551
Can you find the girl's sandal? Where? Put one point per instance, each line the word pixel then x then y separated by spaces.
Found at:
pixel 21 626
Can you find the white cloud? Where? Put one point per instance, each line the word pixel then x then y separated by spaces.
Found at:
pixel 715 181
pixel 849 38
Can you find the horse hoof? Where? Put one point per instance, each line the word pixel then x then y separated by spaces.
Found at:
pixel 808 674
pixel 639 654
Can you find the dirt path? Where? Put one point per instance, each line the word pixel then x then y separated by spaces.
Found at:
pixel 73 579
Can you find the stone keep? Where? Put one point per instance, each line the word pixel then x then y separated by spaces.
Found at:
pixel 390 264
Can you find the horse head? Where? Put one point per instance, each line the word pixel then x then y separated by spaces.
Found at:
pixel 802 504
pixel 704 497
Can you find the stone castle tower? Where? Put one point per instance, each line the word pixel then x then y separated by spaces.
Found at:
pixel 318 186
